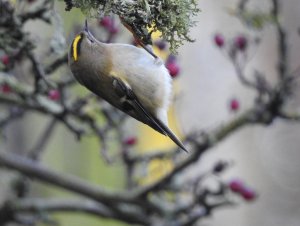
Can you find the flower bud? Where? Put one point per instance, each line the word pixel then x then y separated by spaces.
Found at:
pixel 219 40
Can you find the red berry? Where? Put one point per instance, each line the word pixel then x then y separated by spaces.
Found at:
pixel 5 59
pixel 5 88
pixel 54 94
pixel 173 68
pixel 248 194
pixel 236 185
pixel 106 22
pixel 219 40
pixel 130 141
pixel 240 42
pixel 234 105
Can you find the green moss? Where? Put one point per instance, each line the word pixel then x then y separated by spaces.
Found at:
pixel 173 18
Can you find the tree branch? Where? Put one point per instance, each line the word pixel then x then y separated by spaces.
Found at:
pixel 56 64
pixel 42 140
pixel 35 170
pixel 36 206
pixel 282 65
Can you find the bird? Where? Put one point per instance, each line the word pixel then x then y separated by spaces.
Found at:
pixel 127 77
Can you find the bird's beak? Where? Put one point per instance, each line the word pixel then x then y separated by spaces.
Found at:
pixel 86 28
pixel 89 34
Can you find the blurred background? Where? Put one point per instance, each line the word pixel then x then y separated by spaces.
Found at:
pixel 265 157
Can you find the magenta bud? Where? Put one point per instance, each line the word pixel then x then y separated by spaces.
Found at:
pixel 240 42
pixel 234 105
pixel 173 68
pixel 248 194
pixel 130 141
pixel 106 22
pixel 54 94
pixel 219 40
pixel 5 60
pixel 236 185
pixel 5 88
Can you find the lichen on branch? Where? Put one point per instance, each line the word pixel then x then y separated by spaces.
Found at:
pixel 173 18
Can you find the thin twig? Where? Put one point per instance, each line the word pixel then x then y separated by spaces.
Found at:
pixel 147 157
pixel 56 64
pixel 39 71
pixel 194 217
pixel 36 206
pixel 14 113
pixel 242 4
pixel 36 151
pixel 282 36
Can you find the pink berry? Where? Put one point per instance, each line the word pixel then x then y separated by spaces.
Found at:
pixel 248 194
pixel 5 59
pixel 219 40
pixel 54 94
pixel 236 185
pixel 106 22
pixel 234 105
pixel 240 42
pixel 173 68
pixel 130 141
pixel 5 88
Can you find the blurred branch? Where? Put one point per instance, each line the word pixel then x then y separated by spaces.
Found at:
pixel 53 110
pixel 282 48
pixel 37 14
pixel 240 73
pixel 13 114
pixel 56 64
pixel 205 212
pixel 39 71
pixel 42 141
pixel 147 157
pixel 36 206
pixel 242 5
pixel 294 116
pixel 34 170
pixel 56 205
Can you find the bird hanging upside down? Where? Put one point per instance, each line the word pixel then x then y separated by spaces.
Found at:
pixel 127 77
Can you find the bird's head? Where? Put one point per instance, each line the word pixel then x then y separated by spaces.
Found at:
pixel 82 45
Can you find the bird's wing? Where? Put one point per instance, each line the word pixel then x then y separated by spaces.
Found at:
pixel 132 106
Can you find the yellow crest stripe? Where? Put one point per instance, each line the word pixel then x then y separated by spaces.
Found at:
pixel 75 46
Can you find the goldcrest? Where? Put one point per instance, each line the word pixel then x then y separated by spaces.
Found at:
pixel 127 77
